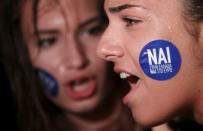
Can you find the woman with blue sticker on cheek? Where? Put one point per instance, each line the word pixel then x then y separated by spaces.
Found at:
pixel 157 46
pixel 62 43
pixel 62 52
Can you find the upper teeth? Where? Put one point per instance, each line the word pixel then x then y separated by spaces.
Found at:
pixel 124 75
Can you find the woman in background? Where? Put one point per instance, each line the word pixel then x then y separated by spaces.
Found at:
pixel 58 81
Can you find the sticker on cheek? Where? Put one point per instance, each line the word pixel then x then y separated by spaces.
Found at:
pixel 160 60
pixel 51 85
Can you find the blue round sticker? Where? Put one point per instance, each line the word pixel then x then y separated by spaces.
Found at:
pixel 49 81
pixel 160 60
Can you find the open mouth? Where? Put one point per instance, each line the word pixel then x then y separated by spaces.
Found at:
pixel 79 85
pixel 130 78
pixel 134 83
pixel 82 88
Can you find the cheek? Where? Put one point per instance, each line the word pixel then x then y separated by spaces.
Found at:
pixel 191 59
pixel 197 51
pixel 160 101
pixel 95 61
pixel 134 45
pixel 49 64
pixel 105 81
pixel 32 50
pixel 98 65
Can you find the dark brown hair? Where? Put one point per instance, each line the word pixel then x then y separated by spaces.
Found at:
pixel 34 111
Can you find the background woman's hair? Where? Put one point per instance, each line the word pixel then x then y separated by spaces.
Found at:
pixel 33 112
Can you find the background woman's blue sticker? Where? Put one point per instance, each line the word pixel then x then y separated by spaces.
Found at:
pixel 160 60
pixel 51 85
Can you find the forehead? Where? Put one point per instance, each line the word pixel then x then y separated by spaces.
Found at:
pixel 49 11
pixel 148 4
pixel 65 5
pixel 116 2
pixel 68 5
pixel 69 8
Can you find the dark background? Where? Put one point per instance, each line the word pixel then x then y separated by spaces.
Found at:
pixel 8 111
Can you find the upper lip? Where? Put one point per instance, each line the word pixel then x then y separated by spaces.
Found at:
pixel 120 70
pixel 77 77
pixel 131 79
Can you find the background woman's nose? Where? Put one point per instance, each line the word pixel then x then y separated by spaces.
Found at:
pixel 75 57
pixel 77 60
pixel 109 52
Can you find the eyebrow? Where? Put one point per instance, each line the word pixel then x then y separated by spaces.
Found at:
pixel 119 8
pixel 44 32
pixel 89 21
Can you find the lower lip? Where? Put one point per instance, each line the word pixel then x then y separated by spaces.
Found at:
pixel 83 94
pixel 131 93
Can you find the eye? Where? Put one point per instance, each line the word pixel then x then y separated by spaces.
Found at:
pixel 130 21
pixel 46 42
pixel 94 30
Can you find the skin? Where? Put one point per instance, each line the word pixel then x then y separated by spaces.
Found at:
pixel 58 36
pixel 153 102
pixel 69 32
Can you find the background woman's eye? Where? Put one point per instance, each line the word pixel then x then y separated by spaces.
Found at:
pixel 130 22
pixel 94 30
pixel 46 42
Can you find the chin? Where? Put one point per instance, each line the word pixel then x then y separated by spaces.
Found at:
pixel 148 120
pixel 82 106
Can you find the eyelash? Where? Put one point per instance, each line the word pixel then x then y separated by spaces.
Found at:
pixel 46 42
pixel 130 21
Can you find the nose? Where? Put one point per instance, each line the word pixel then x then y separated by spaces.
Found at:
pixel 75 56
pixel 109 49
pixel 78 59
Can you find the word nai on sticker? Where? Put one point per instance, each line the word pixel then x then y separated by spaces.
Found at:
pixel 160 60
